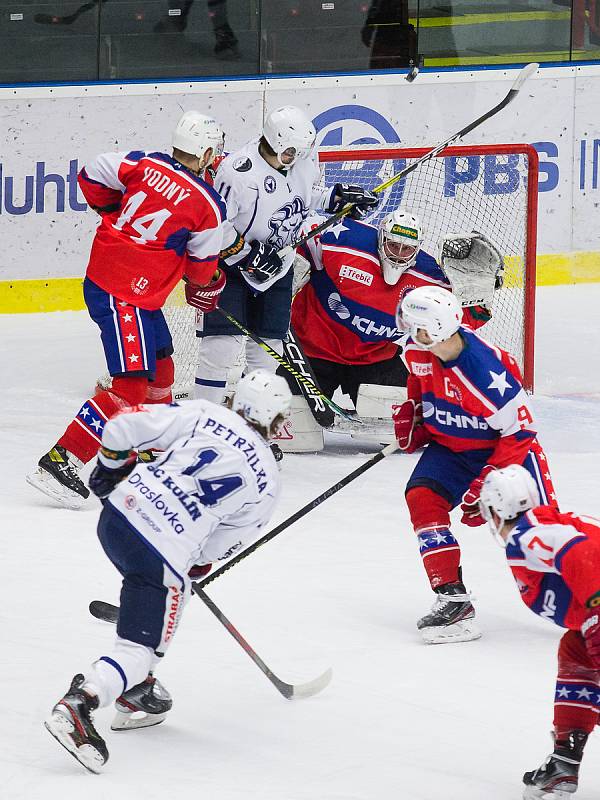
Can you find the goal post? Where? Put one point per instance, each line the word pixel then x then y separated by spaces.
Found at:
pixel 491 189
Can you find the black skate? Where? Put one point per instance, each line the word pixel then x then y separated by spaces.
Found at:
pixel 452 617
pixel 557 778
pixel 71 725
pixel 57 477
pixel 226 45
pixel 142 706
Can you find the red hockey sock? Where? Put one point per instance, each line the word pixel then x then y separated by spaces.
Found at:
pixel 577 688
pixel 84 435
pixel 159 390
pixel 430 516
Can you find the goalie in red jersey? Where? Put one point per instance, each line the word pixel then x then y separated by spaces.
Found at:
pixel 160 221
pixel 555 560
pixel 467 407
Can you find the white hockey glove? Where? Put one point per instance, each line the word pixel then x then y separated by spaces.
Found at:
pixel 473 265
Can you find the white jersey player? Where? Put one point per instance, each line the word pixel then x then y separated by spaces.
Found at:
pixel 209 493
pixel 268 186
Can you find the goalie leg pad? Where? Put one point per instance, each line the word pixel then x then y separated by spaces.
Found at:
pixel 300 433
pixel 375 400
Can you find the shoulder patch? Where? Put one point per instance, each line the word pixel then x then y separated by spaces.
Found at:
pixel 242 164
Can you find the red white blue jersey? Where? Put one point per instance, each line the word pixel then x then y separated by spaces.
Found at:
pixel 474 402
pixel 555 560
pixel 346 313
pixel 163 222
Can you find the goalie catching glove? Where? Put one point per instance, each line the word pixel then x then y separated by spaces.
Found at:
pixel 362 200
pixel 473 265
pixel 262 262
pixel 205 298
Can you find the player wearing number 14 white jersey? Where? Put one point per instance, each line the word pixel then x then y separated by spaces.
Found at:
pixel 213 488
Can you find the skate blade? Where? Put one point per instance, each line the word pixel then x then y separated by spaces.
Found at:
pixel 465 631
pixel 45 483
pixel 535 793
pixel 61 729
pixel 130 720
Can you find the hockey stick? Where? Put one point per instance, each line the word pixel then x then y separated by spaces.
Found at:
pixel 310 386
pixel 523 75
pixel 292 349
pixel 107 612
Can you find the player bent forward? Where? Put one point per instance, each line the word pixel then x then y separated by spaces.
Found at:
pixel 211 490
pixel 160 221
pixel 467 406
pixel 555 560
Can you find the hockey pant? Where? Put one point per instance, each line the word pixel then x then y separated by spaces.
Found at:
pixel 217 355
pixel 152 600
pixel 436 486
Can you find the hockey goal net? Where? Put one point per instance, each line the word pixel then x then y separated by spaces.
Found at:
pixel 491 189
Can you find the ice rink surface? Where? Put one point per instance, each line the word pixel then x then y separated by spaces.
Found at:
pixel 342 588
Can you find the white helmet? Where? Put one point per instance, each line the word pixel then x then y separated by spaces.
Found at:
pixel 431 308
pixel 261 396
pixel 508 492
pixel 195 133
pixel 400 237
pixel 289 127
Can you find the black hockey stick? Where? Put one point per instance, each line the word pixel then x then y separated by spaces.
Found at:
pixel 523 75
pixel 107 612
pixel 292 349
pixel 53 19
pixel 310 386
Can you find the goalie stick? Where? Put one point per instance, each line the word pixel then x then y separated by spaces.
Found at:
pixel 295 355
pixel 302 379
pixel 523 75
pixel 109 613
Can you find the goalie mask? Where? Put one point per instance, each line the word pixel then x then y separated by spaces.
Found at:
pixel 399 241
pixel 289 129
pixel 507 492
pixel 432 309
pixel 195 133
pixel 261 397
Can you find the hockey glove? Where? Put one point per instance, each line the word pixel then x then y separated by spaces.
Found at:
pixel 590 630
pixel 206 298
pixel 104 479
pixel 470 502
pixel 363 200
pixel 262 262
pixel 473 265
pixel 410 432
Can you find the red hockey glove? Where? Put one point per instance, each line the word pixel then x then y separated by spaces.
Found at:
pixel 199 571
pixel 470 502
pixel 408 426
pixel 590 630
pixel 205 298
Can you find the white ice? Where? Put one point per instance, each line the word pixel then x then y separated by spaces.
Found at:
pixel 341 588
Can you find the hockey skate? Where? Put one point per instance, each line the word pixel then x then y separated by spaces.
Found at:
pixel 57 477
pixel 142 706
pixel 72 727
pixel 557 778
pixel 452 617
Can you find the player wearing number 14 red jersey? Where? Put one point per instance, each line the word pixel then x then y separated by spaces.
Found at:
pixel 160 221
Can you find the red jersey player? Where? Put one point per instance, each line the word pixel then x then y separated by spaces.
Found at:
pixel 467 406
pixel 555 560
pixel 160 221
pixel 345 315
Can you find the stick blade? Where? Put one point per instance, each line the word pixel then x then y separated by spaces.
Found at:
pixel 311 688
pixel 524 75
pixel 105 612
